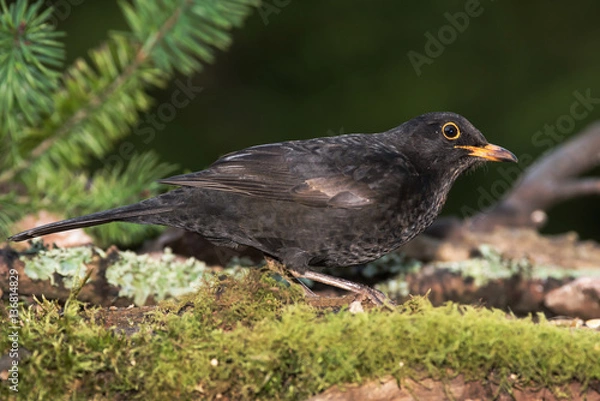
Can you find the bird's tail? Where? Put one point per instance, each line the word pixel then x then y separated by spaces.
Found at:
pixel 143 212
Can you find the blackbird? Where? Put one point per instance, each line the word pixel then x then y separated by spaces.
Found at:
pixel 323 202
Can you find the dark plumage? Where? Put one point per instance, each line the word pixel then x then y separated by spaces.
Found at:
pixel 322 202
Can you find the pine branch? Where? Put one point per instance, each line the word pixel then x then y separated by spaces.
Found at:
pixel 11 211
pixel 29 55
pixel 96 108
pixel 99 101
pixel 170 34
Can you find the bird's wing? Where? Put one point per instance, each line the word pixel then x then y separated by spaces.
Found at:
pixel 318 173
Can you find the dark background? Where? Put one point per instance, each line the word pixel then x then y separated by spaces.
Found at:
pixel 313 68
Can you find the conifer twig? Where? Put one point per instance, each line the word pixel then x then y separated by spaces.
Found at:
pixel 95 101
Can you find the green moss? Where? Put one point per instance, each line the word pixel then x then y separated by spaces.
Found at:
pixel 254 337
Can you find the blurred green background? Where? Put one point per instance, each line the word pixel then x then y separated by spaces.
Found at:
pixel 303 69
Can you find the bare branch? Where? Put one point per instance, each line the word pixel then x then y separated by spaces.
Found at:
pixel 551 180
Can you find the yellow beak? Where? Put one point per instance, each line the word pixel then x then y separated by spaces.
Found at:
pixel 490 152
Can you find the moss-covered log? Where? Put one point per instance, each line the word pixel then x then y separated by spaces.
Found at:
pixel 254 338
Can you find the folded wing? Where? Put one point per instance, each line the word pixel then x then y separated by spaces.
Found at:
pixel 302 172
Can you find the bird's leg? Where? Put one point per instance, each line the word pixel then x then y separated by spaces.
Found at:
pixel 309 293
pixel 376 296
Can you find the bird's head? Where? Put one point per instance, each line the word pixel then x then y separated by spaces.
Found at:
pixel 447 141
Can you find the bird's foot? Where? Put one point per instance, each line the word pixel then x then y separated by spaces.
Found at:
pixel 365 292
pixel 375 296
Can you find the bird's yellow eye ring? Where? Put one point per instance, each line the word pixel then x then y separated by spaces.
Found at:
pixel 451 131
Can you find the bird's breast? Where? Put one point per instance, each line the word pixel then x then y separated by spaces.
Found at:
pixel 415 209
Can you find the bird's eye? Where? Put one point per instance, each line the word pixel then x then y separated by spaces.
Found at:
pixel 451 131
